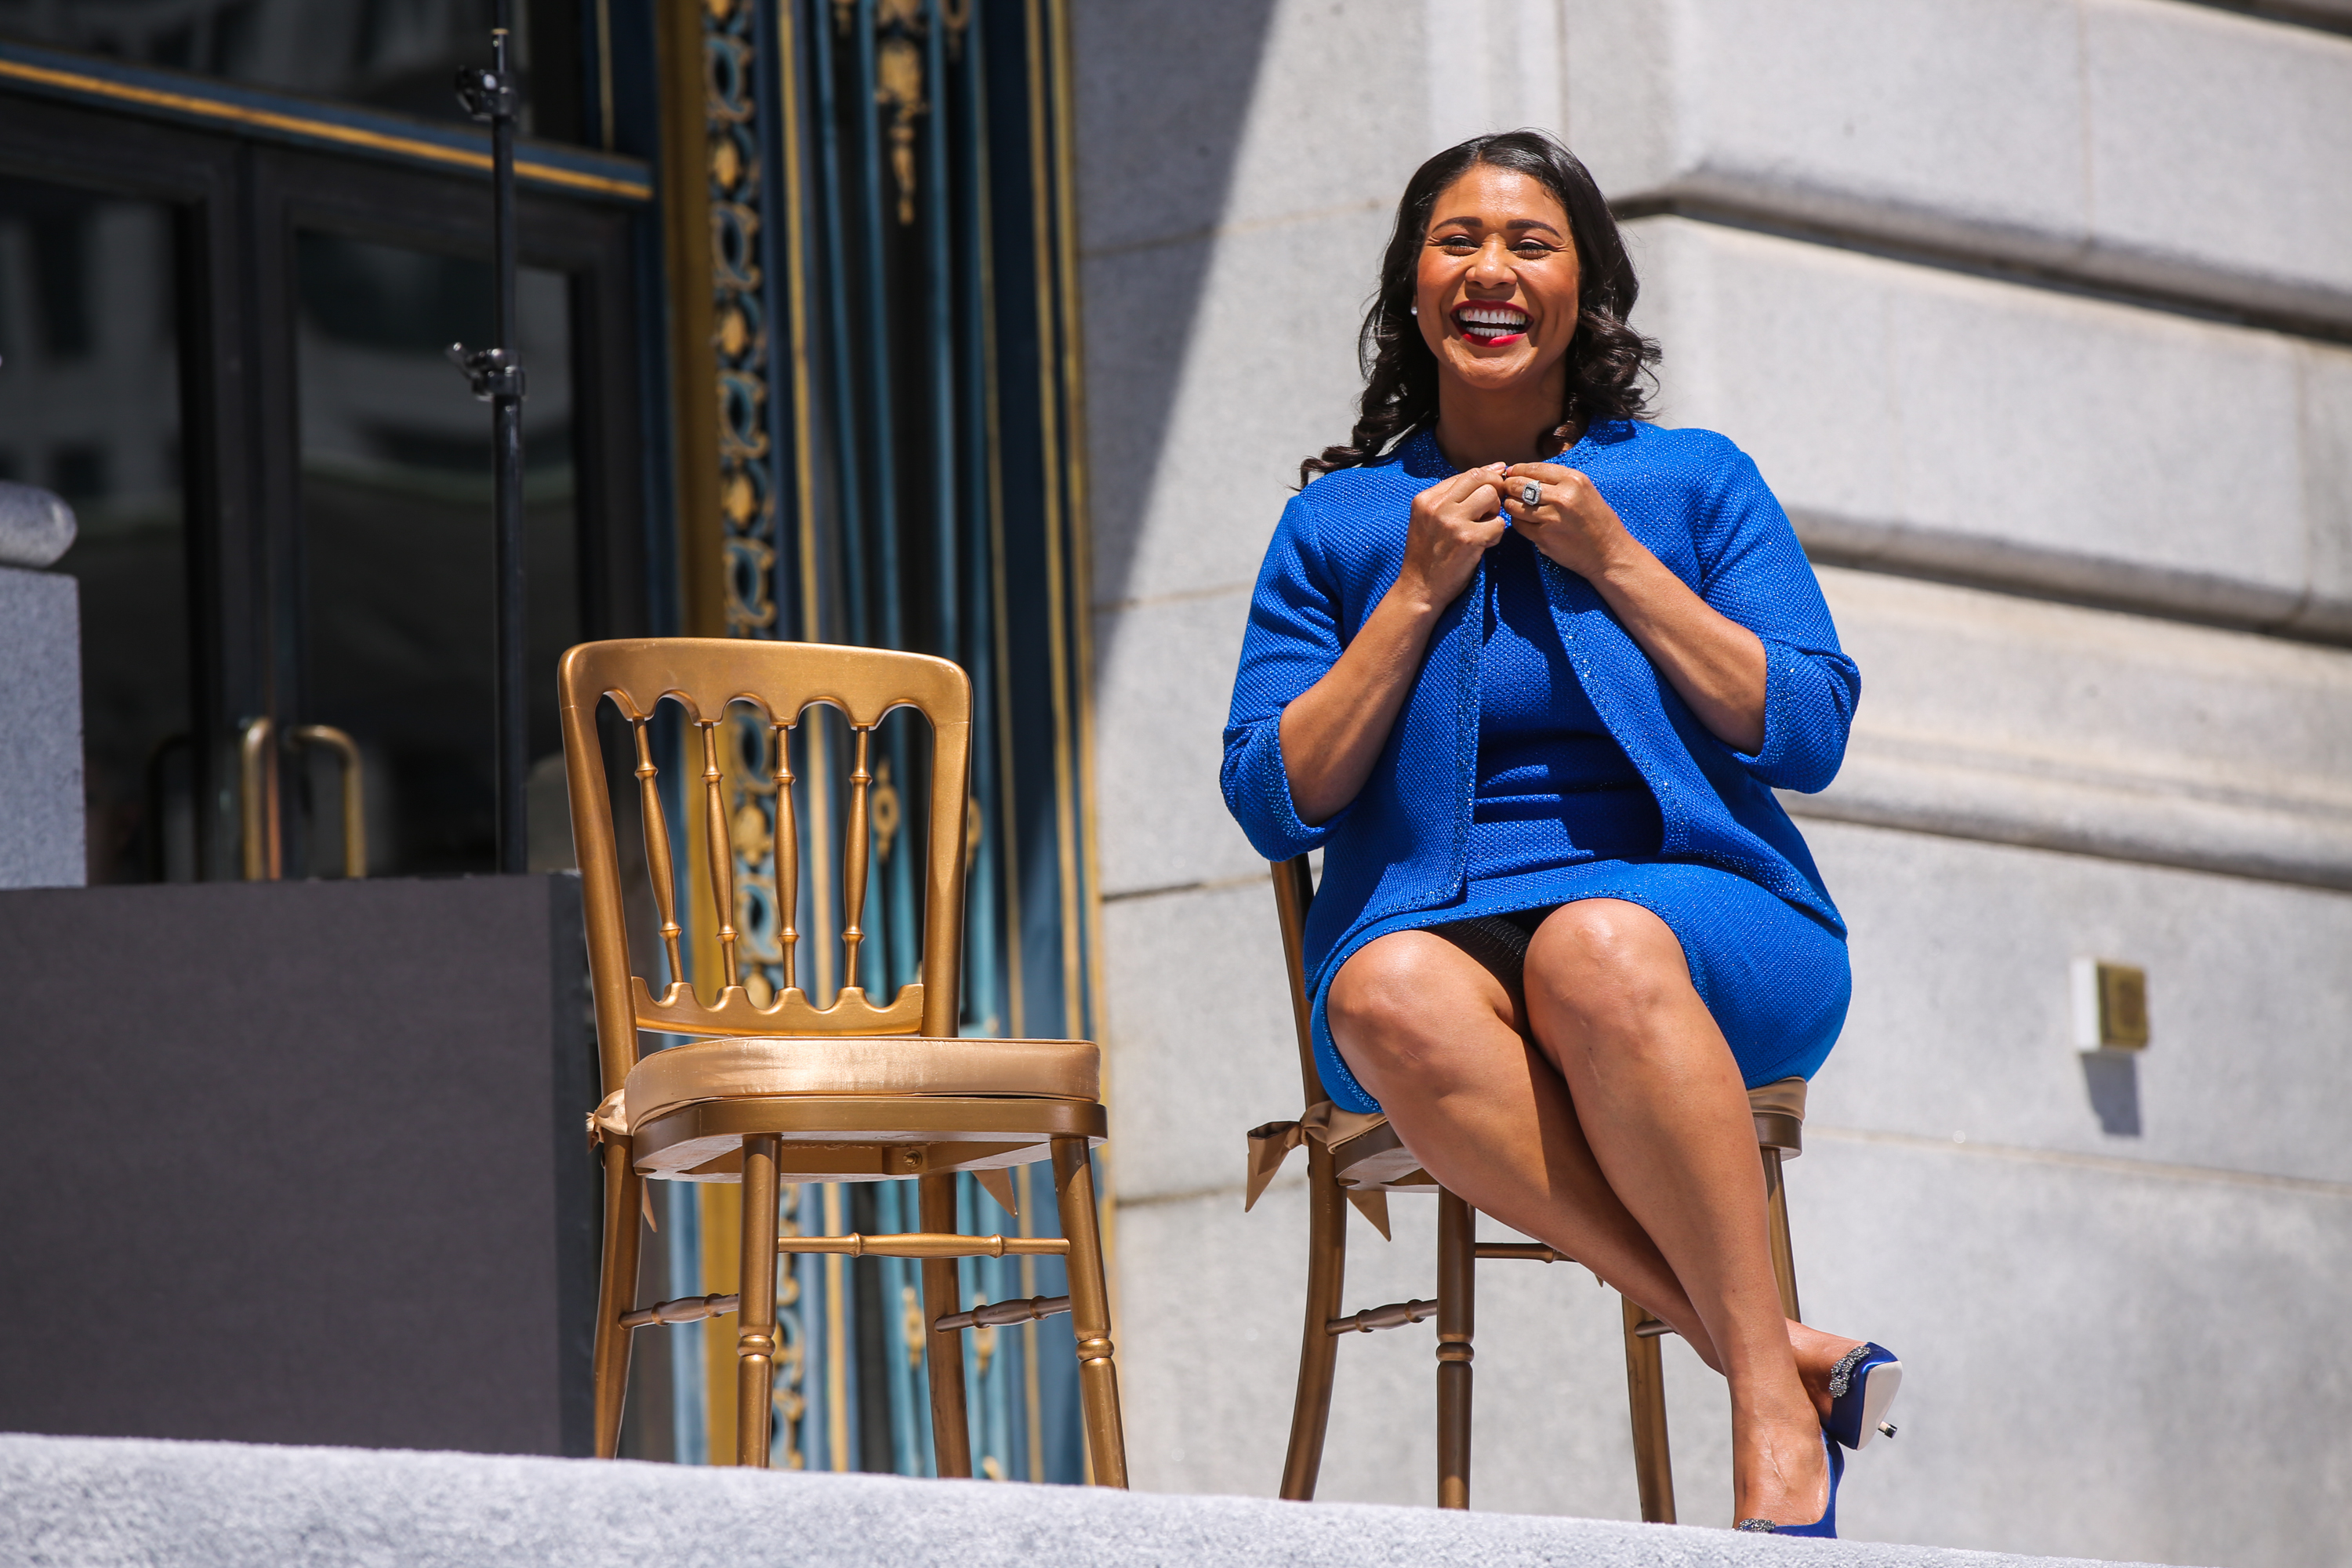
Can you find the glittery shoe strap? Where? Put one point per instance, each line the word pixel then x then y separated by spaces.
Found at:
pixel 1842 1375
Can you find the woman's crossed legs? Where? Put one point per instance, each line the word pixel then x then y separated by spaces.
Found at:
pixel 1603 1112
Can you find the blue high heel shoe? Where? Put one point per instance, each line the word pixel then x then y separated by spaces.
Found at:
pixel 1824 1528
pixel 1862 1388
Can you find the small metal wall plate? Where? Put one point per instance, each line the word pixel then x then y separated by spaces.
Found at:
pixel 2110 1005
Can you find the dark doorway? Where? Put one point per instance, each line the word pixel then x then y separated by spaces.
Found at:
pixel 229 356
pixel 395 544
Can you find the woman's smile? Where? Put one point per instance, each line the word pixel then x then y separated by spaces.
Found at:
pixel 1490 324
pixel 1495 288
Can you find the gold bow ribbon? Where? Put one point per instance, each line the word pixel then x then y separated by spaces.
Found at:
pixel 609 1121
pixel 1269 1146
pixel 1328 1125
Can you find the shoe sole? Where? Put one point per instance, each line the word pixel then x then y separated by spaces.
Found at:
pixel 1879 1386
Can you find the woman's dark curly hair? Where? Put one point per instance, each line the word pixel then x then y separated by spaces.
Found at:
pixel 1606 359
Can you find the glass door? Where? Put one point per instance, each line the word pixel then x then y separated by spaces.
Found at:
pixel 90 407
pixel 377 552
pixel 393 545
pixel 230 358
pixel 117 296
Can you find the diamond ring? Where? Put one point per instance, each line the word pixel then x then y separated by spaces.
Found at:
pixel 1531 495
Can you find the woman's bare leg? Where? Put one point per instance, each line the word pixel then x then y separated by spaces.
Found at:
pixel 1436 1038
pixel 1610 1001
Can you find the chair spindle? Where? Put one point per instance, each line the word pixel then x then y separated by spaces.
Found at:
pixel 853 932
pixel 721 846
pixel 657 864
pixel 788 849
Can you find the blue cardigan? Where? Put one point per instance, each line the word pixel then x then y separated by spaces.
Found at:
pixel 1402 846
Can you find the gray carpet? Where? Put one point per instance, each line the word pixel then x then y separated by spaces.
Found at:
pixel 89 1503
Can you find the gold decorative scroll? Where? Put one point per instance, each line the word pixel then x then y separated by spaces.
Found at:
pixel 900 27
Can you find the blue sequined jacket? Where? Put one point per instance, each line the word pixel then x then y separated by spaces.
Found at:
pixel 1402 843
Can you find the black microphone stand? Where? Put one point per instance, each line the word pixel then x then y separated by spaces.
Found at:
pixel 497 376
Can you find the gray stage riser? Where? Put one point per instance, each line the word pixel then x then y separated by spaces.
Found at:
pixel 138 1503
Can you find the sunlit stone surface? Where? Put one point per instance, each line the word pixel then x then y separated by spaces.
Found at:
pixel 99 1503
pixel 2032 310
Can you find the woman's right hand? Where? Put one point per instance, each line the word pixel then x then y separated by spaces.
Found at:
pixel 1333 732
pixel 1455 522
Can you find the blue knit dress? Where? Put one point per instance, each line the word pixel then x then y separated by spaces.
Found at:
pixel 1542 760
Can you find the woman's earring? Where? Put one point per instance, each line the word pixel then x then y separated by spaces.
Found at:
pixel 1412 310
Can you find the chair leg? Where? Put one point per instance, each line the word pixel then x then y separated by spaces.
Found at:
pixel 1074 1187
pixel 755 1319
pixel 1457 1283
pixel 1318 1347
pixel 1646 1395
pixel 942 1294
pixel 1784 1258
pixel 616 1291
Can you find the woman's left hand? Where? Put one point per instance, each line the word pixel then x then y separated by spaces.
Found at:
pixel 1570 521
pixel 1718 665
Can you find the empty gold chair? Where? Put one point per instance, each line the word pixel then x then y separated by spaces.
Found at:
pixel 1357 1158
pixel 860 1091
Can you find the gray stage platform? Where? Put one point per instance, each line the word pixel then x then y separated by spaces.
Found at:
pixel 93 1502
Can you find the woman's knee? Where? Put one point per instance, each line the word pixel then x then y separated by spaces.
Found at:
pixel 1611 968
pixel 1399 1007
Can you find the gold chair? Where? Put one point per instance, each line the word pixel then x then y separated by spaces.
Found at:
pixel 1355 1158
pixel 858 1091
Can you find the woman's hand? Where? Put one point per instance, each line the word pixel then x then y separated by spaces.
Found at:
pixel 1570 522
pixel 1716 664
pixel 1333 732
pixel 1455 522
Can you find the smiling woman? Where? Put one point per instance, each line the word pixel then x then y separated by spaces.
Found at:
pixel 1600 376
pixel 1528 669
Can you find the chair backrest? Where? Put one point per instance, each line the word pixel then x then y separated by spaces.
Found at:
pixel 1294 894
pixel 780 681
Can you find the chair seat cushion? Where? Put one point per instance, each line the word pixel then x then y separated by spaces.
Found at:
pixel 761 1067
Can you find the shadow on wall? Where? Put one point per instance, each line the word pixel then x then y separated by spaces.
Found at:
pixel 1163 98
pixel 2113 1083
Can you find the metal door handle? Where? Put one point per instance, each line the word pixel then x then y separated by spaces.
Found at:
pixel 347 752
pixel 257 800
pixel 257 779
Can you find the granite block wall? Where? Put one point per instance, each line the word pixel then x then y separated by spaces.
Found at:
pixel 2092 135
pixel 2146 458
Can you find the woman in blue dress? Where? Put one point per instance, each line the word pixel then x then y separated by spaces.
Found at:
pixel 1528 669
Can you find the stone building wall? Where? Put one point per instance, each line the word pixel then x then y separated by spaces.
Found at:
pixel 2035 313
pixel 41 713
